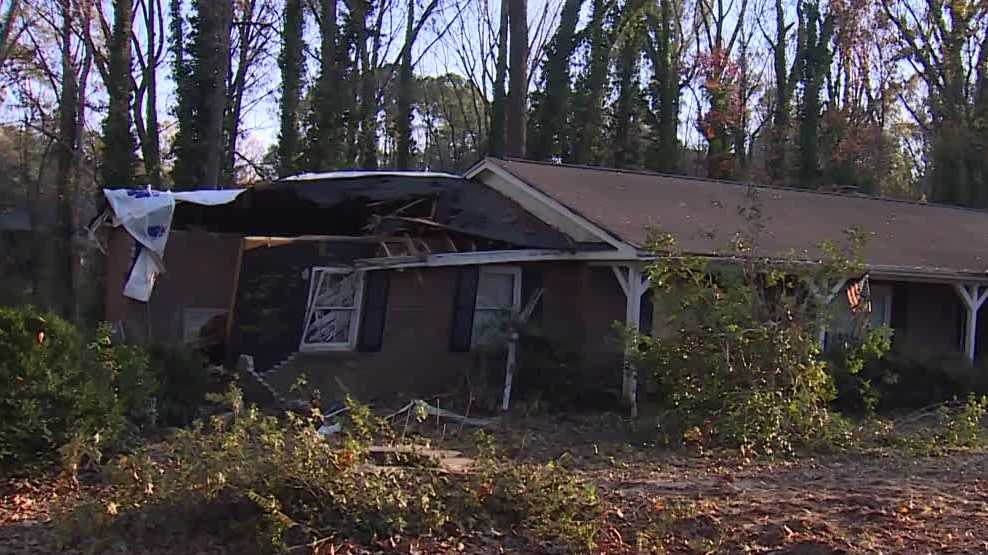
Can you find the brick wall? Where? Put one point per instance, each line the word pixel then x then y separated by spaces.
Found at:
pixel 200 269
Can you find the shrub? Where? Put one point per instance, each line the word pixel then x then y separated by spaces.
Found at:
pixel 258 483
pixel 738 358
pixel 910 377
pixel 184 382
pixel 57 386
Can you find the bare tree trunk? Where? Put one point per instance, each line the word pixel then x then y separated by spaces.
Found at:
pixel 325 139
pixel 215 18
pixel 496 145
pixel 146 97
pixel 367 134
pixel 65 162
pixel 405 94
pixel 518 85
pixel 292 66
pixel 237 87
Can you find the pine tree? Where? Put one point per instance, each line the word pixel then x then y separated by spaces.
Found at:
pixel 518 82
pixel 814 66
pixel 628 86
pixel 325 133
pixel 496 140
pixel 182 145
pixel 292 67
pixel 549 124
pixel 664 154
pixel 118 139
pixel 591 88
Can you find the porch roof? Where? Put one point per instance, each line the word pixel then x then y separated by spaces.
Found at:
pixel 704 215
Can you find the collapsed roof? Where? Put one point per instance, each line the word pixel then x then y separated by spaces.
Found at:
pixel 364 203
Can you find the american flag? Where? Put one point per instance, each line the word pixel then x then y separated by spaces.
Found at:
pixel 859 296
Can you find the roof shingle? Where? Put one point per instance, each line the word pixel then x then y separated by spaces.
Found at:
pixel 704 215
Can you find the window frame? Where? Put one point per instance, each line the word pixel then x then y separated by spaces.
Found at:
pixel 356 310
pixel 516 273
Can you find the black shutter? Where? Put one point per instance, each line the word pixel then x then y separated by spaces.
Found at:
pixel 531 281
pixel 463 307
pixel 647 314
pixel 374 311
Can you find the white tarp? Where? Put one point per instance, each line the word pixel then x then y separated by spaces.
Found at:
pixel 147 215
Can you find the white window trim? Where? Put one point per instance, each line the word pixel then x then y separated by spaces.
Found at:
pixel 514 271
pixel 358 308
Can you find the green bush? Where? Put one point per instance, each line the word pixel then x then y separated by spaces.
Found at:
pixel 57 385
pixel 184 382
pixel 737 359
pixel 910 378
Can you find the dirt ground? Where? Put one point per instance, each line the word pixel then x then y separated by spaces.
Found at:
pixel 659 501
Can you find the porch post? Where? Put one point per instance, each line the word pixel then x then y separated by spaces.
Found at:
pixel 973 296
pixel 634 283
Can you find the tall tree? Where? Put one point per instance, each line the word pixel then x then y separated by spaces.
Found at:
pixel 665 51
pixel 146 92
pixel 496 142
pixel 253 25
pixel 367 40
pixel 814 66
pixel 65 159
pixel 590 90
pixel 200 145
pixel 626 128
pixel 721 30
pixel 212 64
pixel 183 144
pixel 517 105
pixel 325 135
pixel 786 77
pixel 406 82
pixel 292 67
pixel 550 122
pixel 118 138
pixel 946 45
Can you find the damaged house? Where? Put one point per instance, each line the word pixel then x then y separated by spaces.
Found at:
pixel 383 283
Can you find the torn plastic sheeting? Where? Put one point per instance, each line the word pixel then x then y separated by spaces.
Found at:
pixel 146 214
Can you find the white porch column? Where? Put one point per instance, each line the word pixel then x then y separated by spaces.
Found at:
pixel 634 283
pixel 973 296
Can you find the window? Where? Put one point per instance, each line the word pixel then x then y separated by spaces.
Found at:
pixel 498 298
pixel 332 314
pixel 842 323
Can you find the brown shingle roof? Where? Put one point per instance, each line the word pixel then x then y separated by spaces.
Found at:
pixel 703 216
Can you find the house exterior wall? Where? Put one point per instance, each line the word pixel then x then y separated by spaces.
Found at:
pixel 578 308
pixel 200 273
pixel 415 358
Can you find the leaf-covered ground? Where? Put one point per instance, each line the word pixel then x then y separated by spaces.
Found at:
pixel 659 501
